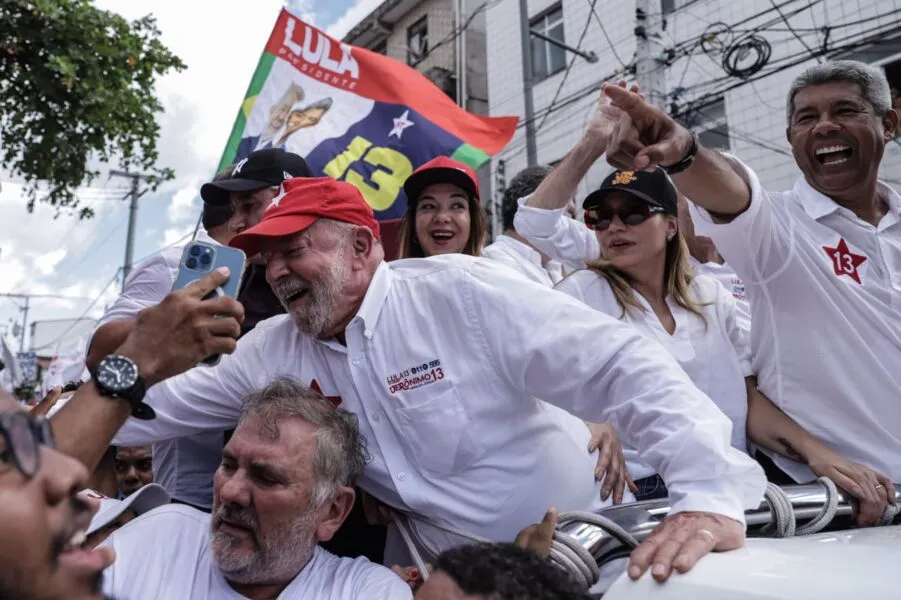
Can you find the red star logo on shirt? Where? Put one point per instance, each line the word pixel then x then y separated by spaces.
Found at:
pixel 334 400
pixel 845 262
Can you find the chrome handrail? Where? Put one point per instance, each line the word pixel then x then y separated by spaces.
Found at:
pixel 640 518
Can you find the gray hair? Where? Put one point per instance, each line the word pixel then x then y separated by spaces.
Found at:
pixel 872 82
pixel 340 454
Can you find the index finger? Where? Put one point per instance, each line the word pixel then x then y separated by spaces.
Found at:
pixel 621 97
pixel 207 283
pixel 889 487
pixel 223 306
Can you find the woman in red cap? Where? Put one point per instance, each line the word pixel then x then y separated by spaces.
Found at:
pixel 443 211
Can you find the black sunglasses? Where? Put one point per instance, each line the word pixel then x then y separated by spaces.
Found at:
pixel 23 437
pixel 600 217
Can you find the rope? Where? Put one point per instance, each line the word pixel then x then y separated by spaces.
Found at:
pixel 891 511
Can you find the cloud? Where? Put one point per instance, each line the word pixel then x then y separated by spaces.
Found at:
pixel 46 263
pixel 174 235
pixel 184 204
pixel 355 14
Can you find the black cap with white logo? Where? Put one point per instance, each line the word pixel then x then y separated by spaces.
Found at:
pixel 263 168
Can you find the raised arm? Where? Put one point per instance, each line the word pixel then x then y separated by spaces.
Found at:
pixel 166 339
pixel 710 181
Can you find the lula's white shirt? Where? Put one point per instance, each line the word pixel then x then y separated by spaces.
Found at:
pixel 444 363
pixel 826 347
pixel 165 554
pixel 524 259
pixel 716 355
pixel 184 466
pixel 574 245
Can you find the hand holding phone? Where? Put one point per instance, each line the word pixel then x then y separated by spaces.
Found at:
pixel 198 259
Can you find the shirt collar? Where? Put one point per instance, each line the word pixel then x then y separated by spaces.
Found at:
pixel 374 299
pixel 522 249
pixel 818 205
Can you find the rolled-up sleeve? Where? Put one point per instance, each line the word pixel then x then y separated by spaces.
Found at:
pixel 146 286
pixel 557 236
pixel 756 243
pixel 556 349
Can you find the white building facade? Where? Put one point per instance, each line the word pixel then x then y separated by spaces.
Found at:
pixel 727 67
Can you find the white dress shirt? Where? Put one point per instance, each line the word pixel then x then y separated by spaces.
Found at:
pixel 525 259
pixel 165 554
pixel 444 363
pixel 716 355
pixel 184 466
pixel 727 276
pixel 825 292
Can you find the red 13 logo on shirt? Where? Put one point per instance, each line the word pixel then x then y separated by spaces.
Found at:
pixel 845 262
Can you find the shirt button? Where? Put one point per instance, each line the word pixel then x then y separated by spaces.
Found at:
pixel 401 476
pixel 376 417
pixel 356 361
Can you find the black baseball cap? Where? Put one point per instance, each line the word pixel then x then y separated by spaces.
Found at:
pixel 655 188
pixel 263 168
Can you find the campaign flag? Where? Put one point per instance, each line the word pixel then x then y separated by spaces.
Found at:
pixel 355 115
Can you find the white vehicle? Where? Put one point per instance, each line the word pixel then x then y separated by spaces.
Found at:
pixel 844 562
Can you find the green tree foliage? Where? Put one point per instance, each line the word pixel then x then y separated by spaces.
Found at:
pixel 77 83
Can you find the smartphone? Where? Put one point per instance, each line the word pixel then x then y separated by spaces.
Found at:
pixel 198 260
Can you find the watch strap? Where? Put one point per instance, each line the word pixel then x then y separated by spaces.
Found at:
pixel 686 161
pixel 134 396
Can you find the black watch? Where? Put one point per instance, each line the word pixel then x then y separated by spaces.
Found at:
pixel 117 376
pixel 686 161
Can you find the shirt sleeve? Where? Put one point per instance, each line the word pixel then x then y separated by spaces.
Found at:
pixel 146 286
pixel 557 236
pixel 204 398
pixel 601 369
pixel 381 582
pixel 756 243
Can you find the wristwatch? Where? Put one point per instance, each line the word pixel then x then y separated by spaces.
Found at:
pixel 117 376
pixel 686 161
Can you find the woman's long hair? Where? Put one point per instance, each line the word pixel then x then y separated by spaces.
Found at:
pixel 677 277
pixel 409 246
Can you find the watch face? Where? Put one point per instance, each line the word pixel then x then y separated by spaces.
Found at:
pixel 117 373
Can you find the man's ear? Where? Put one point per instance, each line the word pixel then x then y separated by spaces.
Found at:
pixel 363 242
pixel 891 124
pixel 334 512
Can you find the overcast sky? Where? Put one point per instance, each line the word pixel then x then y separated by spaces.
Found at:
pixel 220 42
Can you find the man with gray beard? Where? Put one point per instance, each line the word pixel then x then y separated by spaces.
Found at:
pixel 285 483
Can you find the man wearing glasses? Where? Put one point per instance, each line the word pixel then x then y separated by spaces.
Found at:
pixel 43 521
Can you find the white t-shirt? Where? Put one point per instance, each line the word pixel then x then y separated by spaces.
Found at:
pixel 183 466
pixel 732 282
pixel 444 364
pixel 715 356
pixel 165 554
pixel 825 293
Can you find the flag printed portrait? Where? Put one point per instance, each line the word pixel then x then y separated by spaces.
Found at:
pixel 355 115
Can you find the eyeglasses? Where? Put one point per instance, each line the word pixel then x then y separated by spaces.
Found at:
pixel 23 437
pixel 600 217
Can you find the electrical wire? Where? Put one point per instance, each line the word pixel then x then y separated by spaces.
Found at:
pixel 813 55
pixel 60 337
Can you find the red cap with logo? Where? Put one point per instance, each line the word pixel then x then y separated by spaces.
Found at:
pixel 441 169
pixel 301 202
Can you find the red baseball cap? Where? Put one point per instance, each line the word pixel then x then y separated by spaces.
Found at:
pixel 441 169
pixel 301 202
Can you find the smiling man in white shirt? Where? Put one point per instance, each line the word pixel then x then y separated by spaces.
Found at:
pixel 445 360
pixel 285 483
pixel 822 263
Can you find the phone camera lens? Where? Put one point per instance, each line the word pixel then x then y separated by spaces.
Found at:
pixel 191 263
pixel 206 259
pixel 195 250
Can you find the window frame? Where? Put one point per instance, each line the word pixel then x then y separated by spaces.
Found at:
pixel 420 26
pixel 540 23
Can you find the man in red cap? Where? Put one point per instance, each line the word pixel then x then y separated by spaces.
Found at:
pixel 445 360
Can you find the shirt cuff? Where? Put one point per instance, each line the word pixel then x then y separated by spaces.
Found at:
pixel 536 222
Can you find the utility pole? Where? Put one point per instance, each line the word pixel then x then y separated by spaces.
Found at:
pixel 25 308
pixel 650 73
pixel 526 40
pixel 132 218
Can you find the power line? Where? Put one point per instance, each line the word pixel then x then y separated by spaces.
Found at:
pixel 813 55
pixel 83 314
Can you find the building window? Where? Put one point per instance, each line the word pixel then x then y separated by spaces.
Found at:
pixel 381 47
pixel 417 41
pixel 547 58
pixel 669 6
pixel 710 123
